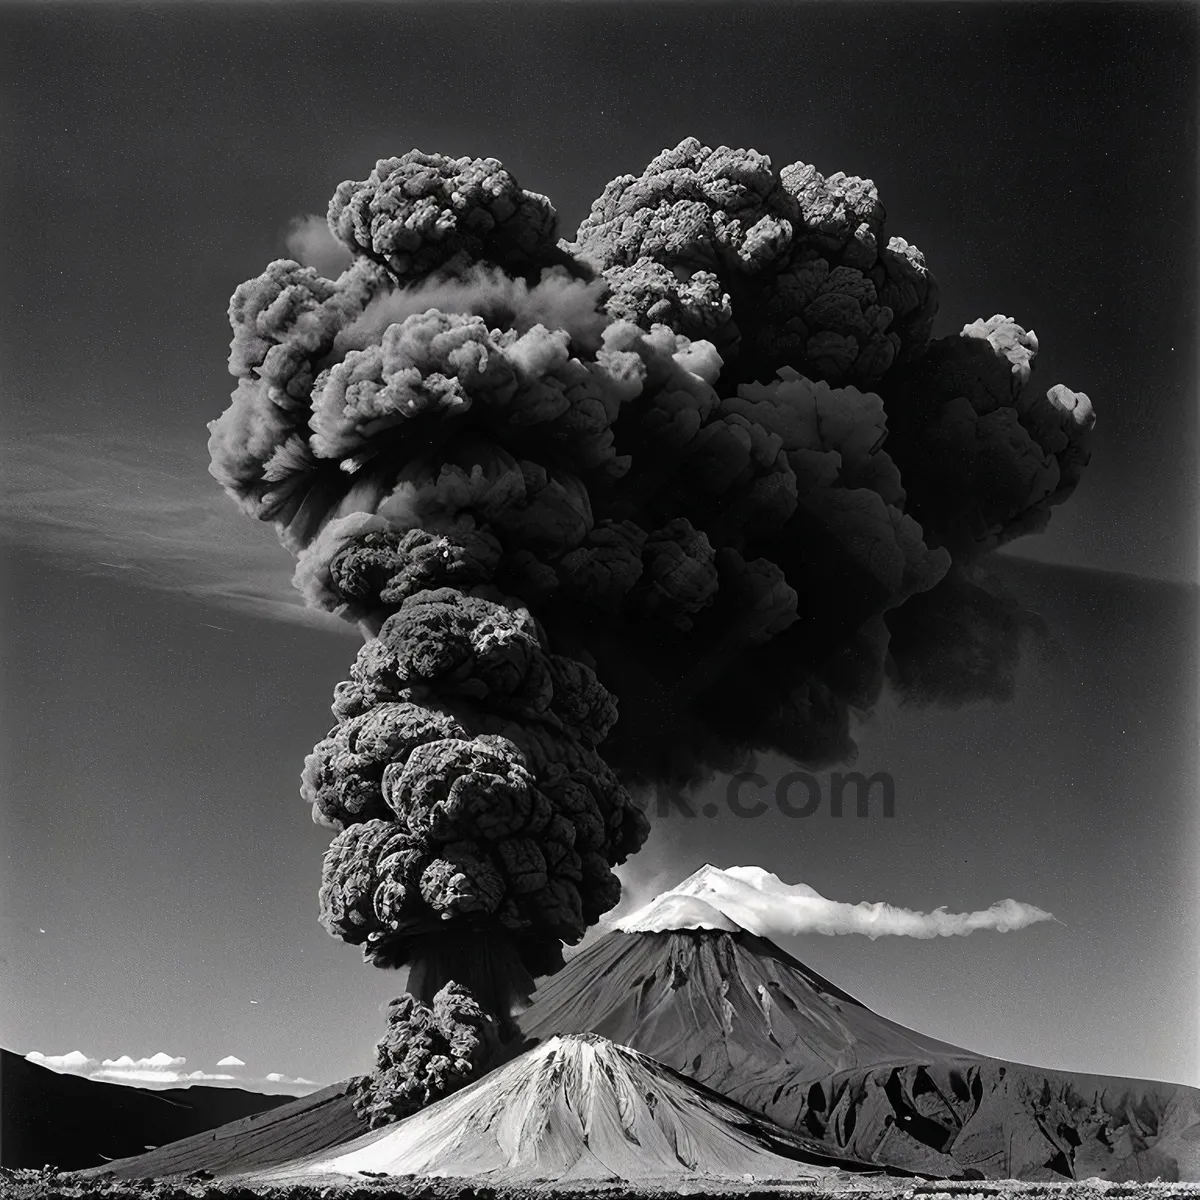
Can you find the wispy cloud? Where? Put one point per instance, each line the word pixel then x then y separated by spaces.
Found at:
pixel 311 242
pixel 150 512
pixel 167 1071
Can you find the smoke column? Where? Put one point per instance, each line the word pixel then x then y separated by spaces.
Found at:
pixel 704 459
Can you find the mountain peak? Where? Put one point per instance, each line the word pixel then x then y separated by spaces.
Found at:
pixel 711 898
pixel 575 1107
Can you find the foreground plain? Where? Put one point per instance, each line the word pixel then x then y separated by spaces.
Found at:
pixel 55 1185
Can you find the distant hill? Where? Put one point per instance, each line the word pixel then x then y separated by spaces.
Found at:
pixel 293 1130
pixel 47 1117
pixel 574 1109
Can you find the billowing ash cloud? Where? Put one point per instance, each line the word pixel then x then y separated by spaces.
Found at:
pixel 755 900
pixel 702 467
pixel 428 1052
pixel 557 300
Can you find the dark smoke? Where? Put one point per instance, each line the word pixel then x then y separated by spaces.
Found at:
pixel 788 270
pixel 428 1051
pixel 703 463
pixel 960 642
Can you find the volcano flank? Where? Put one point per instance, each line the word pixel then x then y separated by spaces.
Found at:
pixel 731 1010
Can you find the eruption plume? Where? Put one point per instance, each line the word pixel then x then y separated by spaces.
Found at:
pixel 705 458
pixel 428 1052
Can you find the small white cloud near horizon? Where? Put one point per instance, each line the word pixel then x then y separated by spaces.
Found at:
pixel 753 899
pixel 74 1063
pixel 275 1077
pixel 167 1071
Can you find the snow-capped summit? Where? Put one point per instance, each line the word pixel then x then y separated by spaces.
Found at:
pixel 712 898
pixel 752 900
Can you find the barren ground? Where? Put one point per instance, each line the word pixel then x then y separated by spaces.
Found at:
pixel 54 1185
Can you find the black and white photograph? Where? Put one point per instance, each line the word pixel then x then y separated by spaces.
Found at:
pixel 601 600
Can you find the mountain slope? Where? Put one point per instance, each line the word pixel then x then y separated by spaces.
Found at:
pixel 738 1014
pixel 305 1126
pixel 732 1011
pixel 574 1108
pixel 47 1117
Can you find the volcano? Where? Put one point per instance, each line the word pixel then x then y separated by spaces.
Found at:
pixel 575 1108
pixel 685 983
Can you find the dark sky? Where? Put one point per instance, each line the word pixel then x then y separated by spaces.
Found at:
pixel 160 696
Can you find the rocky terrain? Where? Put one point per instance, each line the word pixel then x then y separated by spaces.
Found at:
pixel 736 1013
pixel 50 1185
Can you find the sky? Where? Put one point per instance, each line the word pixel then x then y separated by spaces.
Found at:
pixel 161 687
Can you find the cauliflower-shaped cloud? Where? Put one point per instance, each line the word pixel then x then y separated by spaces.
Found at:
pixel 428 1051
pixel 605 567
pixel 462 646
pixel 444 814
pixel 692 206
pixel 779 270
pixel 691 302
pixel 717 497
pixel 284 322
pixel 433 367
pixel 343 776
pixel 359 563
pixel 681 573
pixel 420 212
pixel 984 452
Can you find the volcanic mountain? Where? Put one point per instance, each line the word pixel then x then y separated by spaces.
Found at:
pixel 683 982
pixel 687 984
pixel 574 1108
